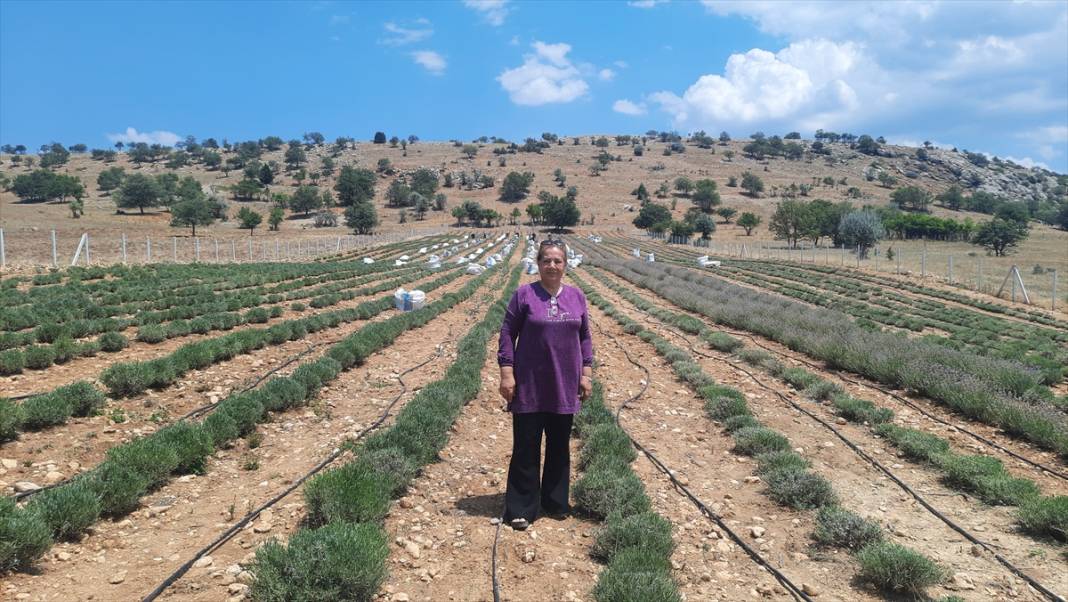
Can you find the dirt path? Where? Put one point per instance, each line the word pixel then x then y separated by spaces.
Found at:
pixel 140 550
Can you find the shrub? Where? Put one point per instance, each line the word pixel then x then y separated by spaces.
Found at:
pixel 915 444
pixel 39 357
pixel 799 378
pixel 64 350
pixel 192 443
pixel 391 464
pixel 741 421
pixel 149 457
pixel 754 357
pixel 177 328
pixel 607 441
pixel 339 561
pixel 245 410
pixel 721 341
pixel 24 535
pixel 10 419
pixel 126 379
pixel 281 393
pixel 118 487
pixel 861 410
pixel 636 574
pixel 723 402
pixel 841 528
pixel 648 531
pixel 12 361
pixel 41 411
pixel 603 492
pixel 257 315
pixel 47 333
pixel 986 477
pixel 82 397
pixel 822 390
pixel 780 460
pixel 893 567
pixel 351 493
pixel 1046 516
pixel 68 511
pixel 200 325
pixel 799 489
pixel 298 307
pixel 151 333
pixel 112 342
pixel 756 440
pixel 221 428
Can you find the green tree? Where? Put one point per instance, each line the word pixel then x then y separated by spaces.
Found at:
pixel 422 205
pixel 652 213
pixel 77 207
pixel 168 188
pixel 861 230
pixel 516 186
pixel 361 217
pixel 887 180
pixel 1014 212
pixel 641 192
pixel 425 182
pixel 752 184
pixel 138 191
pixel 380 138
pixel 705 195
pixel 246 189
pixel 727 213
pixel 534 212
pixel 305 200
pixel 440 200
pixel 704 224
pixel 266 176
pixel 355 186
pixel 193 212
pixel 470 150
pixel 397 193
pixel 867 145
pixel 682 229
pixel 275 218
pixel 385 166
pixel 749 221
pixel 248 220
pixel 684 185
pixel 561 212
pixel 911 198
pixel 791 221
pixel 110 178
pixel 460 215
pixel 515 215
pixel 951 198
pixel 1000 236
pixel 295 155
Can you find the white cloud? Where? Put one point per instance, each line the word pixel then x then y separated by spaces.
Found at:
pixel 1026 162
pixel 621 64
pixel 131 135
pixel 397 35
pixel 628 108
pixel 340 19
pixel 646 3
pixel 430 60
pixel 492 11
pixel 545 77
pixel 606 75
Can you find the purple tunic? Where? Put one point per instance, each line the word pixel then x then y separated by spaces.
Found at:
pixel 553 345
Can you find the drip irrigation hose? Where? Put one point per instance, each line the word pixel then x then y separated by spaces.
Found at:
pixel 240 525
pixel 783 580
pixel 878 465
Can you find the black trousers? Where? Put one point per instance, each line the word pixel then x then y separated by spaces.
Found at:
pixel 525 491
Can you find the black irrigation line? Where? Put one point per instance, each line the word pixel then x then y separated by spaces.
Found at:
pixel 878 465
pixel 783 580
pixel 900 398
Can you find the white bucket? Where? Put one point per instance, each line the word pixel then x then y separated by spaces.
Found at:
pixel 650 257
pixel 636 253
pixel 415 300
pixel 398 298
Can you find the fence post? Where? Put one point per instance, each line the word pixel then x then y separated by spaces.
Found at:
pixel 88 260
pixel 3 252
pixel 196 249
pixel 233 250
pixel 841 252
pixel 148 249
pixel 923 260
pixel 951 268
pixel 1053 295
pixel 174 249
pixel 250 245
pixel 123 248
pixel 55 254
pixel 858 256
pixel 216 249
pixel 979 268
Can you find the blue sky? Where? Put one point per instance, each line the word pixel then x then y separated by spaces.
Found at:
pixel 990 77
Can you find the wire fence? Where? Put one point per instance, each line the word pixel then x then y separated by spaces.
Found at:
pixel 52 249
pixel 976 271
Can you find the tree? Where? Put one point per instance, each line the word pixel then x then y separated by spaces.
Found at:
pixel 328 166
pixel 887 180
pixel 422 205
pixel 274 219
pixel 752 184
pixel 641 192
pixel 534 212
pixel 515 215
pixel 516 186
pixel 361 217
pixel 705 195
pixel 355 186
pixel 1000 236
pixel 110 178
pixel 459 214
pixel 470 150
pixel 791 221
pixel 440 200
pixel 193 212
pixel 911 198
pixel 663 191
pixel 867 145
pixel 397 193
pixel 77 207
pixel 425 182
pixel 138 190
pixel 314 138
pixel 684 185
pixel 385 166
pixel 248 219
pixel 681 229
pixel 651 213
pixel 704 224
pixel 295 155
pixel 305 200
pixel 1014 212
pixel 380 138
pixel 749 221
pixel 861 230
pixel 951 198
pixel 561 212
pixel 266 176
pixel 727 213
pixel 246 189
pixel 272 143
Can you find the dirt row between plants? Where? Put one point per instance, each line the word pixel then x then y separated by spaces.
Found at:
pixel 82 442
pixel 123 560
pixel 908 521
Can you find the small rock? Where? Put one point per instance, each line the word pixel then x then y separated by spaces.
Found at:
pixel 406 503
pixel 963 581
pixel 24 486
pixel 400 597
pixel 809 589
pixel 757 531
pixel 237 588
pixel 412 549
pixel 9 463
pixel 752 479
pixel 495 521
pixel 203 561
pixel 63 556
pixel 529 556
pixel 117 578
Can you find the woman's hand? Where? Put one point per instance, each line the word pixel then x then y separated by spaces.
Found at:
pixel 585 387
pixel 507 386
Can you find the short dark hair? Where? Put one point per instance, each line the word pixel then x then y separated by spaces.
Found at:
pixel 559 244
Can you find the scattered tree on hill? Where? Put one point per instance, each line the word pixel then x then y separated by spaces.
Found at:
pixel 860 230
pixel 681 229
pixel 44 185
pixel 192 212
pixel 470 150
pixel 425 182
pixel 1014 212
pixel 663 191
pixel 560 212
pixel 110 178
pixel 911 198
pixel 684 185
pixel 867 145
pixel 727 213
pixel 246 190
pixel 295 155
pixel 275 218
pixel 248 220
pixel 422 206
pixel 705 195
pixel 790 222
pixel 385 166
pixel 516 186
pixel 1000 236
pixel 650 214
pixel 534 212
pixel 704 224
pixel 328 166
pixel 314 138
pixel 641 192
pixel 305 200
pixel 380 138
pixel 361 217
pixel 440 200
pixel 749 221
pixel 137 191
pixel 951 198
pixel 752 184
pixel 887 180
pixel 355 186
pixel 397 193
pixel 266 176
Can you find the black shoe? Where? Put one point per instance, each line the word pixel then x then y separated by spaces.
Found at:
pixel 519 524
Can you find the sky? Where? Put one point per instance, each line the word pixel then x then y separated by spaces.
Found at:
pixel 988 77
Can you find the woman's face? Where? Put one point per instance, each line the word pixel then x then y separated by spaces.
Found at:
pixel 552 265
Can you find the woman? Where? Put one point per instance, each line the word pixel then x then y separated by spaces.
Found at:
pixel 543 378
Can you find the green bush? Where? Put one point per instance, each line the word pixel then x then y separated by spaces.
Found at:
pixel 64 350
pixel 339 561
pixel 604 492
pixel 895 568
pixel 118 487
pixel 861 410
pixel 351 493
pixel 799 378
pixel 986 477
pixel 177 328
pixel 82 397
pixel 636 574
pixel 1045 516
pixel 915 444
pixel 754 357
pixel 721 341
pixel 841 528
pixel 782 459
pixel 257 315
pixel 647 530
pixel 68 511
pixel 756 440
pixel 200 325
pixel 192 443
pixel 42 411
pixel 47 333
pixel 151 333
pixel 12 361
pixel 822 390
pixel 149 457
pixel 221 427
pixel 112 342
pixel 741 421
pixel 391 464
pixel 799 489
pixel 283 392
pixel 607 441
pixel 24 537
pixel 10 419
pixel 39 357
pixel 723 402
pixel 245 410
pixel 298 306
